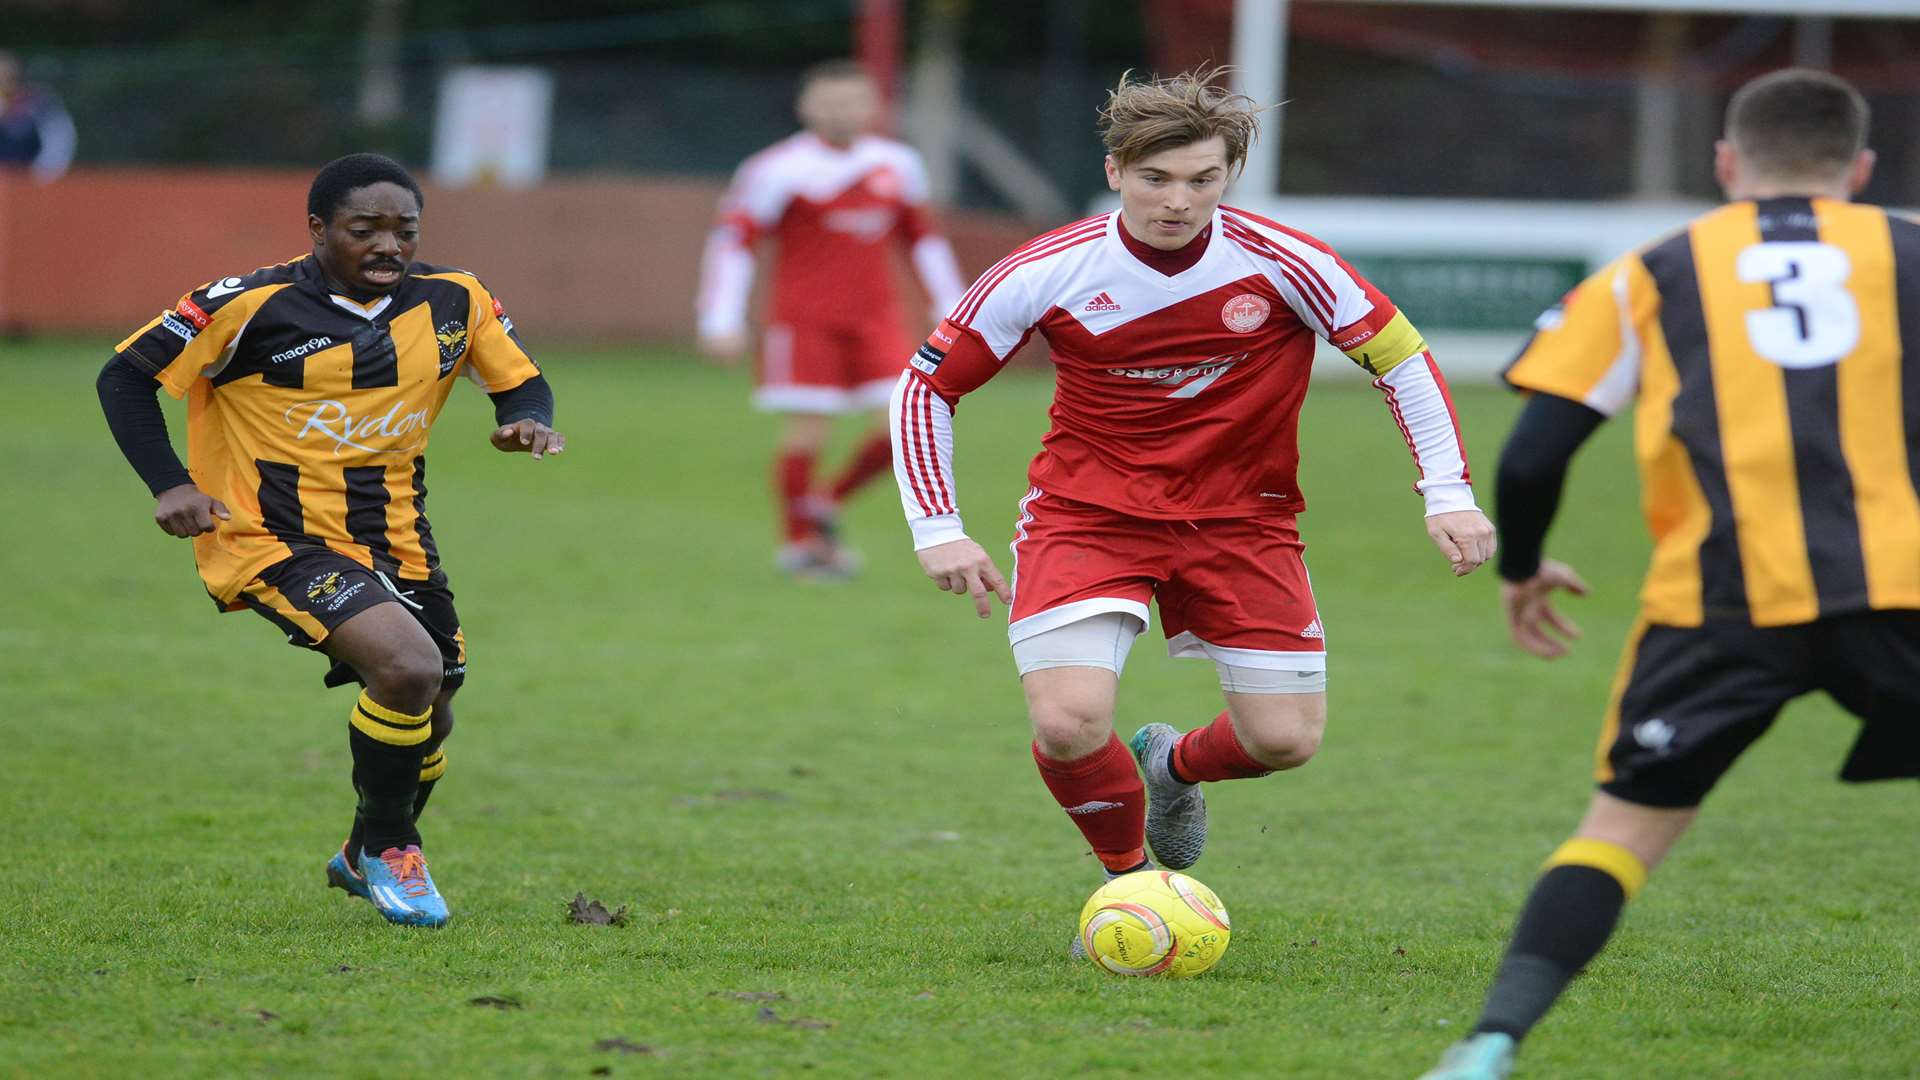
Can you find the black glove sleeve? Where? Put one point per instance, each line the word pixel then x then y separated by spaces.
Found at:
pixel 531 400
pixel 1533 466
pixel 130 398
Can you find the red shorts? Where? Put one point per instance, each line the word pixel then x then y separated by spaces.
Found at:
pixel 829 368
pixel 1233 590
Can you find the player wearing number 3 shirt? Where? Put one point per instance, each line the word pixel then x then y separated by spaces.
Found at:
pixel 1768 353
pixel 1182 332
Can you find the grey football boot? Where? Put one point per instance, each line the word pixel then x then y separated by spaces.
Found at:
pixel 1176 812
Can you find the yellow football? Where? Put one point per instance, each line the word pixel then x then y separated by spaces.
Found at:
pixel 1154 922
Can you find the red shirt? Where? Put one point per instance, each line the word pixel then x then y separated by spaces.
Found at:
pixel 835 214
pixel 1177 396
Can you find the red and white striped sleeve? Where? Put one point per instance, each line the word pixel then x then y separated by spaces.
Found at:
pixel 1417 396
pixel 753 204
pixel 1344 308
pixel 971 345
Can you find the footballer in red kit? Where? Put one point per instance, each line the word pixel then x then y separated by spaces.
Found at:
pixel 1182 333
pixel 836 200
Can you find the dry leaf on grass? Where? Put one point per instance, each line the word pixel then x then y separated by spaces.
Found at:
pixel 585 912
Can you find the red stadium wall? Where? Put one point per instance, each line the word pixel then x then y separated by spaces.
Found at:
pixel 104 250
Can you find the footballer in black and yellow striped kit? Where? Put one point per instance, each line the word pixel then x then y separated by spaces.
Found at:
pixel 312 387
pixel 1770 351
pixel 1762 347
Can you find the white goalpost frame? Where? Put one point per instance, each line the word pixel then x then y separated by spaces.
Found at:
pixel 1593 230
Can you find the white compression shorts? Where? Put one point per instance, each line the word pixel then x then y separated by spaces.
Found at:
pixel 1104 639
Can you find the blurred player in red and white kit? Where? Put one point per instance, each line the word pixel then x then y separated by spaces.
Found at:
pixel 1182 332
pixel 835 198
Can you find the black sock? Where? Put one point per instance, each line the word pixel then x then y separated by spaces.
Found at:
pixel 420 797
pixel 387 778
pixel 432 767
pixel 1565 923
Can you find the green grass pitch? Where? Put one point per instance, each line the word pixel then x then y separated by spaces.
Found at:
pixel 823 794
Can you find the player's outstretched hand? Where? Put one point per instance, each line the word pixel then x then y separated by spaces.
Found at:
pixel 723 349
pixel 963 567
pixel 528 436
pixel 1465 537
pixel 187 511
pixel 1529 607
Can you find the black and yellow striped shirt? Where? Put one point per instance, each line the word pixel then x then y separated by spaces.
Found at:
pixel 1766 349
pixel 308 413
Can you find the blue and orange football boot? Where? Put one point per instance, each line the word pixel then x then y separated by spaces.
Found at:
pixel 342 875
pixel 399 885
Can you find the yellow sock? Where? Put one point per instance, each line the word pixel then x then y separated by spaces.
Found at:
pixel 1605 856
pixel 390 726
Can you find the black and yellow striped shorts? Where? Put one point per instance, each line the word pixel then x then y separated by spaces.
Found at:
pixel 311 594
pixel 1688 701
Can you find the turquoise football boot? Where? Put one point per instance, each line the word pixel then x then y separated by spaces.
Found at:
pixel 342 875
pixel 399 885
pixel 1486 1056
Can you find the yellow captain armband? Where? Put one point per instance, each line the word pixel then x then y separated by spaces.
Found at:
pixel 1384 349
pixel 1605 856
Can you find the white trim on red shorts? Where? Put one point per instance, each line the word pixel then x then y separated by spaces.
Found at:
pixel 787 397
pixel 874 393
pixel 1188 645
pixel 1066 614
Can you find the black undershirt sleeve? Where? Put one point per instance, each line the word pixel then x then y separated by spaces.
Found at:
pixel 130 398
pixel 1533 466
pixel 531 400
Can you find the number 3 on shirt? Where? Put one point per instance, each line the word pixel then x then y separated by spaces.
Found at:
pixel 1814 321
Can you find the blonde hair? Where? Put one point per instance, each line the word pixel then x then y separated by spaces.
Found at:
pixel 1143 117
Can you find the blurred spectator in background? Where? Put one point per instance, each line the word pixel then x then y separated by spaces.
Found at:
pixel 35 131
pixel 836 197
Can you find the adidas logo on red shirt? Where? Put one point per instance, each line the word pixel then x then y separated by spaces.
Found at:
pixel 1103 302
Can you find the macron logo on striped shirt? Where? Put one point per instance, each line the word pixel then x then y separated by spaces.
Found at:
pixel 1103 302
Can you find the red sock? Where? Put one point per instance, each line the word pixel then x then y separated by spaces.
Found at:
pixel 874 456
pixel 1214 753
pixel 1105 797
pixel 792 478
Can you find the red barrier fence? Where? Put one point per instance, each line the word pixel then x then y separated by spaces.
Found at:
pixel 103 250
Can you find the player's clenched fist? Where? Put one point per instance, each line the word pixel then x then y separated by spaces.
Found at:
pixel 528 436
pixel 1465 537
pixel 963 567
pixel 188 511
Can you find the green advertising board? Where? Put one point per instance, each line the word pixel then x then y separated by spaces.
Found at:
pixel 1472 292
